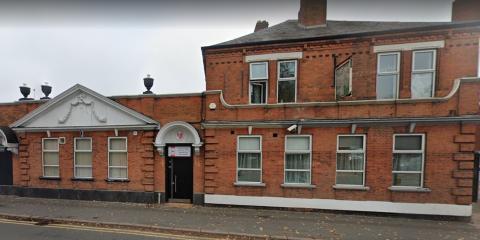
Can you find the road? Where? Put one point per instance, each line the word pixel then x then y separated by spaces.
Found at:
pixel 19 230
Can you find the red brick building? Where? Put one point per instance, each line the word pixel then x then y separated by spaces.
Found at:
pixel 309 113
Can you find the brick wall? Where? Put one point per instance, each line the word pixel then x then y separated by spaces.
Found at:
pixel 447 167
pixel 227 71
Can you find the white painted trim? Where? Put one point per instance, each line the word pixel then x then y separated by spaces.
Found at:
pixel 260 138
pixel 343 205
pixel 364 150
pixel 274 57
pixel 51 103
pixel 52 151
pixel 258 80
pixel 453 91
pixel 409 46
pixel 433 70
pixel 422 151
pixel 160 139
pixel 396 73
pixel 119 151
pixel 287 79
pixel 75 151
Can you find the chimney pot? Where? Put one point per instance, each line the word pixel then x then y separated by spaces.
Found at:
pixel 466 10
pixel 261 25
pixel 313 13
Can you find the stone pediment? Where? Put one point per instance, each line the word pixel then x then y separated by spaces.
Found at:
pixel 82 108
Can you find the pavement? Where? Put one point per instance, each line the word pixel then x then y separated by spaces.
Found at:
pixel 227 222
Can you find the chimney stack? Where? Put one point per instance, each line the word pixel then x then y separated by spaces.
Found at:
pixel 261 25
pixel 466 10
pixel 313 13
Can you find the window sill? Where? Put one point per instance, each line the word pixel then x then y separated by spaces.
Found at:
pixel 351 187
pixel 83 179
pixel 117 180
pixel 409 189
pixel 240 184
pixel 285 185
pixel 50 178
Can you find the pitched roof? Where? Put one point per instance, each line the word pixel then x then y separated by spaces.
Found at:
pixel 290 31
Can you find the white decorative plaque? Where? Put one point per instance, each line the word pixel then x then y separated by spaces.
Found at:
pixel 180 151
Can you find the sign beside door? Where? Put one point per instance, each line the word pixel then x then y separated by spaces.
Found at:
pixel 180 151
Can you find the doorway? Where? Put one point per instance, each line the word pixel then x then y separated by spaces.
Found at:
pixel 476 170
pixel 179 173
pixel 6 168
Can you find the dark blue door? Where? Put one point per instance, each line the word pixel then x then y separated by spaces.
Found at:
pixel 6 168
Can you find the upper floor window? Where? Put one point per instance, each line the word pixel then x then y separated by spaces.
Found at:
pixel 117 158
pixel 83 158
pixel 50 157
pixel 343 79
pixel 249 159
pixel 423 74
pixel 408 157
pixel 287 81
pixel 298 160
pixel 258 82
pixel 388 72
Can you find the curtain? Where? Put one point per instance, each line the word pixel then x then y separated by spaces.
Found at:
pixel 407 179
pixel 350 161
pixel 83 144
pixel 50 144
pixel 83 172
pixel 50 158
pixel 298 161
pixel 350 143
pixel 51 172
pixel 249 160
pixel 249 143
pixel 350 178
pixel 118 144
pixel 118 172
pixel 407 162
pixel 297 177
pixel 83 158
pixel 298 143
pixel 118 159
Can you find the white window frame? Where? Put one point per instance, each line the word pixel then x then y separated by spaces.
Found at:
pixel 397 73
pixel 350 81
pixel 249 151
pixel 422 151
pixel 297 152
pixel 113 151
pixel 433 70
pixel 364 150
pixel 75 151
pixel 53 151
pixel 287 79
pixel 253 80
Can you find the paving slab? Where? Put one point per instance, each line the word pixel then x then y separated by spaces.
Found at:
pixel 243 221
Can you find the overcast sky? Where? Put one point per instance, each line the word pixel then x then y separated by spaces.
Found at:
pixel 109 46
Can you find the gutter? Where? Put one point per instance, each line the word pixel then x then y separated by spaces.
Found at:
pixel 343 122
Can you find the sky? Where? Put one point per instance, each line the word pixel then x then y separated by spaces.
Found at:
pixel 111 45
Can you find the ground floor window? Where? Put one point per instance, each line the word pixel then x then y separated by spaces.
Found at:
pixel 249 159
pixel 83 157
pixel 298 157
pixel 408 160
pixel 117 158
pixel 350 160
pixel 50 157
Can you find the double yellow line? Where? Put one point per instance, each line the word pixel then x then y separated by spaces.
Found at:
pixel 108 230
